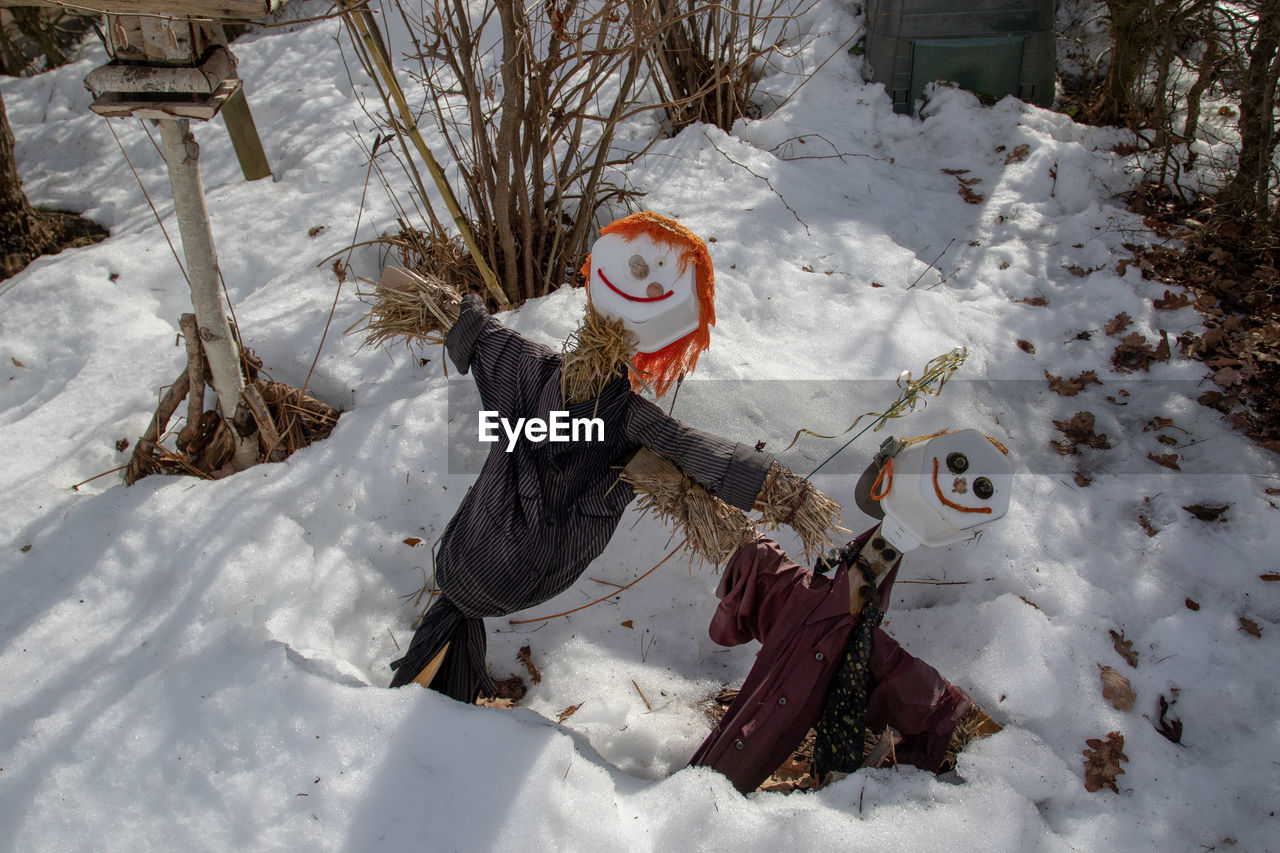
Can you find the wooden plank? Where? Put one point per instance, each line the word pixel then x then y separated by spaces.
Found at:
pixel 244 138
pixel 429 671
pixel 195 9
pixel 124 106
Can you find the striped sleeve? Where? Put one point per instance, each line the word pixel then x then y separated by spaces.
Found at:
pixel 495 354
pixel 729 470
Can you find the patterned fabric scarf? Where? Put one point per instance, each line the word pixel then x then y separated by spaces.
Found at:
pixel 841 728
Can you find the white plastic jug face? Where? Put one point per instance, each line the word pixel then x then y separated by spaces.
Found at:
pixel 648 286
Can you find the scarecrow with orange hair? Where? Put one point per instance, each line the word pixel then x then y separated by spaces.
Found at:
pixel 541 511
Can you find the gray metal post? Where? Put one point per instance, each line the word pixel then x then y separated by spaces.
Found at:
pixel 182 156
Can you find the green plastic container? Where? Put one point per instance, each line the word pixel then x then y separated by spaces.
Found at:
pixel 991 47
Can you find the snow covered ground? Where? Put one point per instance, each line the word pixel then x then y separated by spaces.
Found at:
pixel 200 665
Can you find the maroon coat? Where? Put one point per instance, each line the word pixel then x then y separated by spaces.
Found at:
pixel 803 622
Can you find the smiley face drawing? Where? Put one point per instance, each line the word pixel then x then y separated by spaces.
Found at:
pixel 945 489
pixel 650 287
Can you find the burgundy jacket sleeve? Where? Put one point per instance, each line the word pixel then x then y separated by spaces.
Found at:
pixel 753 592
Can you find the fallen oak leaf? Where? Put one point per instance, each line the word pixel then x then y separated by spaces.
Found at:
pixel 1171 301
pixel 1118 323
pixel 1079 271
pixel 1168 460
pixel 1072 387
pixel 1133 353
pixel 628 624
pixel 413 542
pixel 1102 762
pixel 1250 627
pixel 1018 154
pixel 1124 647
pixel 1116 689
pixel 525 656
pixel 1079 430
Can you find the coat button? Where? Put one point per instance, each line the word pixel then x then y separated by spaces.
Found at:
pixel 782 700
pixel 738 744
pixel 817 655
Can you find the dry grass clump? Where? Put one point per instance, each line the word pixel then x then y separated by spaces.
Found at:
pixel 713 529
pixel 592 356
pixel 787 499
pixel 419 308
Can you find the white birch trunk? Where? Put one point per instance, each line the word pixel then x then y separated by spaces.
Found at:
pixel 182 155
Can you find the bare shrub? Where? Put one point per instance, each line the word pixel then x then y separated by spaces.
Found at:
pixel 527 100
pixel 709 57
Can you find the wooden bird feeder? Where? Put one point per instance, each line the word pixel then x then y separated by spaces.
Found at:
pixel 170 63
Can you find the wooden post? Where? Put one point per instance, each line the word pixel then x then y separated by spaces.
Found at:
pixel 244 137
pixel 182 156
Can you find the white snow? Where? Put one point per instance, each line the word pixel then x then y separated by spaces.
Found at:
pixel 201 665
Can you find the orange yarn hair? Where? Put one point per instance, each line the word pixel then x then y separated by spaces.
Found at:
pixel 681 355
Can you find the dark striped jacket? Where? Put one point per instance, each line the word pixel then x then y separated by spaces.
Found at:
pixel 538 515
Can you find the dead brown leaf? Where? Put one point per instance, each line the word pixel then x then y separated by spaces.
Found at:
pixel 315 230
pixel 1168 460
pixel 1079 430
pixel 1171 301
pixel 1133 353
pixel 628 624
pixel 1079 271
pixel 1034 301
pixel 1102 762
pixel 1207 512
pixel 1169 727
pixel 413 541
pixel 1146 525
pixel 1117 690
pixel 567 712
pixel 1124 647
pixel 1118 323
pixel 1250 627
pixel 16 363
pixel 1026 346
pixel 1018 154
pixel 525 656
pixel 1029 601
pixel 1163 351
pixel 1072 387
pixel 969 195
pixel 1082 481
pixel 1270 577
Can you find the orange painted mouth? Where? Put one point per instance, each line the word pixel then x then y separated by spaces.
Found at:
pixel 628 296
